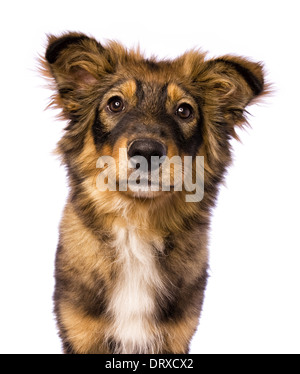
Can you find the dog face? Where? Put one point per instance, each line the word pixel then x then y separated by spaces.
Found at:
pixel 148 119
pixel 116 99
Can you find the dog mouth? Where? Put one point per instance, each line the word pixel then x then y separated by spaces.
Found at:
pixel 141 169
pixel 145 187
pixel 172 175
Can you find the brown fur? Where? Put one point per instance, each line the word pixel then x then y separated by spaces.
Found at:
pixel 168 232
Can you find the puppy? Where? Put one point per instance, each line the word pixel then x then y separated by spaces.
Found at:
pixel 131 263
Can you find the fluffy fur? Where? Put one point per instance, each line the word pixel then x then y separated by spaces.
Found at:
pixel 131 270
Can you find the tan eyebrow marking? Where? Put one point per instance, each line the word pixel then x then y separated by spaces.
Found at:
pixel 175 93
pixel 128 88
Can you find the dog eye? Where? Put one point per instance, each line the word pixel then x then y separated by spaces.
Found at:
pixel 184 111
pixel 115 104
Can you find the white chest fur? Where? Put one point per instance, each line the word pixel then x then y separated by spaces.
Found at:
pixel 133 297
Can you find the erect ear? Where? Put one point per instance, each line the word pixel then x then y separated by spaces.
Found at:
pixel 230 83
pixel 240 68
pixel 77 63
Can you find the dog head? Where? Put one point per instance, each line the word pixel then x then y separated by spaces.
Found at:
pixel 115 99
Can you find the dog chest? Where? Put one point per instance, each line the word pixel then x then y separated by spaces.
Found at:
pixel 132 303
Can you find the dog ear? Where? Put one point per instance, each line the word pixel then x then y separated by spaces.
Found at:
pixel 243 73
pixel 230 83
pixel 77 63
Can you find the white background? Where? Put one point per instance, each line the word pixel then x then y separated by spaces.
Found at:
pixel 252 299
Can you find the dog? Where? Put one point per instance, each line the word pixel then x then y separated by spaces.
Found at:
pixel 132 264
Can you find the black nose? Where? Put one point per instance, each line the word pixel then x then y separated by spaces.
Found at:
pixel 147 148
